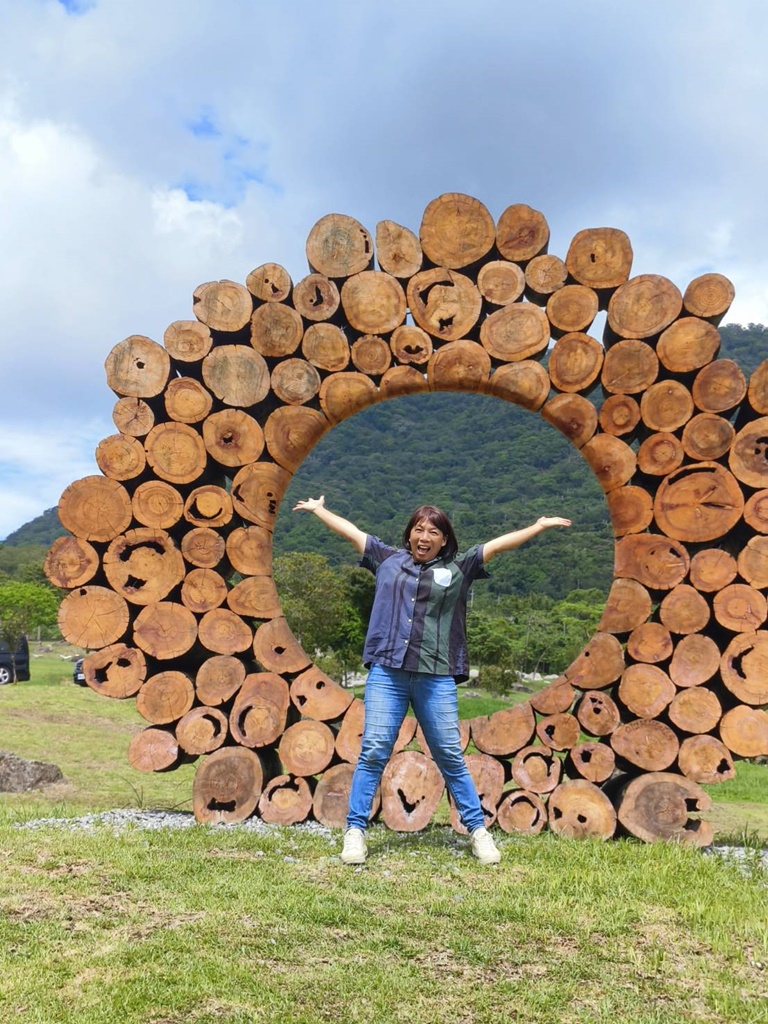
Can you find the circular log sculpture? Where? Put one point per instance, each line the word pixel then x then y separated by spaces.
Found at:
pixel 169 562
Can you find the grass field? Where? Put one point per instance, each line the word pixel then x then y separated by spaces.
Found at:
pixel 227 924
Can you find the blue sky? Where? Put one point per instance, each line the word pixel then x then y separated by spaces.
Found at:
pixel 147 147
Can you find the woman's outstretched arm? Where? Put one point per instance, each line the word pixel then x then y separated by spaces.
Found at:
pixel 336 523
pixel 513 540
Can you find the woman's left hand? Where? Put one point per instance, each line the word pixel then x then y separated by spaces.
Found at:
pixel 546 521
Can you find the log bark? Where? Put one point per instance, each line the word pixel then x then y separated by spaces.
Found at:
pixel 291 432
pixel 522 812
pixel 444 303
pixel 153 750
pixel 559 731
pixel 719 387
pixel 611 460
pixel 270 282
pixel 218 679
pixel 744 731
pixel 500 282
pixel 709 296
pixel 227 786
pixel 627 606
pixel 543 276
pixel 257 491
pixel 71 562
pixel 277 649
pixel 574 416
pixel 707 437
pixel 277 330
pixel 655 561
pixel 93 617
pixel 695 661
pixel 249 549
pixel 137 367
pixel 695 710
pixel 186 400
pixel 133 416
pixel 95 508
pixel 371 355
pixel 619 415
pixel 223 632
pixel 572 308
pixel 598 713
pixel 285 801
pixel 650 643
pixel 576 359
pixel 747 460
pixel 255 597
pixel 157 504
pixel 504 732
pixel 521 233
pixel 326 347
pixel 599 664
pixel 203 547
pixel 744 667
pixel 203 590
pixel 644 306
pixel 209 505
pixel 459 366
pixel 165 630
pixel 143 565
pixel 683 610
pixel 176 452
pixel 579 810
pixel 165 697
pixel 629 368
pixel 657 806
pixel 373 302
pixel 514 332
pixel 698 503
pixel 630 509
pixel 222 305
pixel 237 375
pixel 688 344
pixel 456 231
pixel 411 345
pixel 525 383
pixel 666 405
pixel 339 246
pixel 600 258
pixel 753 562
pixel 411 787
pixel 260 712
pixel 704 759
pixel 536 769
pixel 317 696
pixel 488 776
pixel 115 671
pixel 740 608
pixel 645 690
pixel 712 569
pixel 187 341
pixel 345 394
pixel 120 457
pixel 306 748
pixel 594 762
pixel 645 743
pixel 660 454
pixel 316 298
pixel 398 249
pixel 232 437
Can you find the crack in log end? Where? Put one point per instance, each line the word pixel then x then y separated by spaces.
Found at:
pixel 592 258
pixel 585 756
pixel 317 299
pixel 736 660
pixel 215 725
pixel 301 700
pixel 320 684
pixel 278 650
pixel 424 293
pixel 408 807
pixel 556 813
pixel 692 805
pixel 101 675
pixel 693 825
pixel 366 242
pixel 761 443
pixel 445 324
pixel 581 818
pixel 134 583
pixel 222 806
pixel 723 768
pixel 228 439
pixel 152 545
pixel 140 364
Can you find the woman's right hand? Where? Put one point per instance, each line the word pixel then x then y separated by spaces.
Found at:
pixel 310 504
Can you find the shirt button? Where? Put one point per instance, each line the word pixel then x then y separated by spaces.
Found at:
pixel 409 620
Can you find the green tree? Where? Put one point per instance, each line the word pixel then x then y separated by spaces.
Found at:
pixel 25 607
pixel 312 596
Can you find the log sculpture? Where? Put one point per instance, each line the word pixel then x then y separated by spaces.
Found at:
pixel 212 424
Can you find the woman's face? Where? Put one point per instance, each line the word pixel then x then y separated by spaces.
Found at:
pixel 426 541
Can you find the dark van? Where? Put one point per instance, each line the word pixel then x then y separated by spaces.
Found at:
pixel 22 662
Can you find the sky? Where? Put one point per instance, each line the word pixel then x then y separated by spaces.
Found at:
pixel 150 146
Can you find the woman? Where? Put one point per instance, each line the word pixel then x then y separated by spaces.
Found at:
pixel 416 651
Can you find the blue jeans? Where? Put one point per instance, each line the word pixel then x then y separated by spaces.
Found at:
pixel 388 692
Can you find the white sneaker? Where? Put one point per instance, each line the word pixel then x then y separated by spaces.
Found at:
pixel 354 850
pixel 483 847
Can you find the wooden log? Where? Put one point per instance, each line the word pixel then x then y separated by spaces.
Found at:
pixel 525 383
pixel 753 562
pixel 630 509
pixel 522 812
pixel 543 276
pixel 373 302
pixel 285 801
pixel 747 460
pixel 709 296
pixel 338 246
pixel 698 503
pixel 459 366
pixel 744 667
pixel 344 394
pixel 744 731
pixel 175 452
pixel 143 565
pixel 695 710
pixel 157 504
pixel 683 610
pixel 222 305
pixel 208 505
pixel 579 810
pixel 688 344
pixel 627 606
pixel 232 437
pixel 187 341
pixel 277 330
pixel 165 630
pixel 186 400
pixel 137 367
pixel 316 298
pixel 411 345
pixel 71 562
pixel 600 258
pixel 656 806
pixel 704 759
pixel 521 233
pixel 660 454
pixel 629 368
pixel 657 562
pixel 756 511
pixel 93 617
pixel 227 786
pixel 611 460
pixel 696 659
pixel 223 632
pixel 115 671
pixel 153 750
pixel 707 437
pixel 398 249
pixel 249 550
pixel 317 696
pixel 576 359
pixel 500 282
pixel 599 664
pixel 165 697
pixel 269 282
pixel 597 713
pixel 257 491
pixel 260 712
pixel 133 416
pixel 757 391
pixel 444 303
pixel 619 415
pixel 202 730
pixel 120 457
pixel 218 679
pixel 719 387
pixel 95 508
pixel 456 231
pixel 350 735
pixel 331 797
pixel 644 306
pixel 326 347
pixel 411 787
pixel 666 405
pixel 306 748
pixel 514 332
pixel 203 547
pixel 464 732
pixel 295 381
pixel 277 649
pixel 202 590
pixel 712 569
pixel 559 731
pixel 594 762
pixel 650 643
pixel 645 690
pixel 255 597
pixel 573 415
pixel 553 699
pixel 572 309
pixel 645 743
pixel 237 375
pixel 536 769
pixel 740 608
pixel 371 355
pixel 504 732
pixel 488 776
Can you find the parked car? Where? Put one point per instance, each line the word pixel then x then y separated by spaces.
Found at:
pixel 78 675
pixel 7 659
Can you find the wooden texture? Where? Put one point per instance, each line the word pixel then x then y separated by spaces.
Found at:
pixel 657 806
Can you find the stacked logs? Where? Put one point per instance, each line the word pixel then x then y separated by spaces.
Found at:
pixel 169 559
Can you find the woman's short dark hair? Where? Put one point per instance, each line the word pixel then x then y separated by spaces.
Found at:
pixel 438 518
